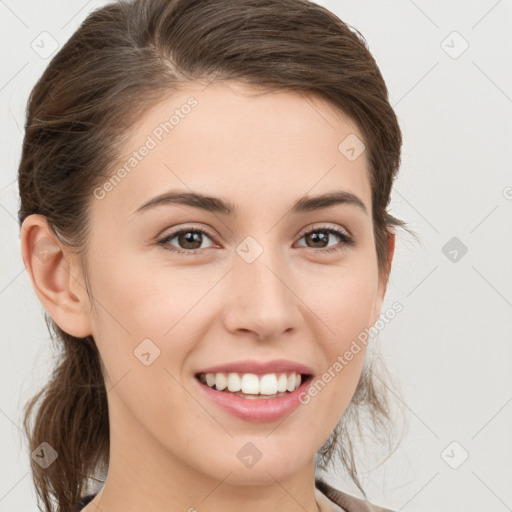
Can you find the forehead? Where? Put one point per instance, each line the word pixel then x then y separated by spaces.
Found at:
pixel 231 141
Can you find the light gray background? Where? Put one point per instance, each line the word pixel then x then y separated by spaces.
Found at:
pixel 451 346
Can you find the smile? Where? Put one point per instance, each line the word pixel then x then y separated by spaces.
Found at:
pixel 255 398
pixel 270 384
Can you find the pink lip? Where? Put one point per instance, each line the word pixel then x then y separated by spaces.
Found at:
pixel 264 410
pixel 259 368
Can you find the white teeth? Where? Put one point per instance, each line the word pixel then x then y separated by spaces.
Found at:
pixel 234 384
pixel 268 384
pixel 252 384
pixel 292 382
pixel 220 381
pixel 290 385
pixel 282 382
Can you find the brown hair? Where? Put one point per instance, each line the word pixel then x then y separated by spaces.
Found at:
pixel 123 59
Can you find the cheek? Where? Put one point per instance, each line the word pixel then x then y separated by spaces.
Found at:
pixel 343 298
pixel 142 310
pixel 140 336
pixel 133 299
pixel 344 302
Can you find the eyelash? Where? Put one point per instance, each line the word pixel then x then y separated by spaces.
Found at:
pixel 346 240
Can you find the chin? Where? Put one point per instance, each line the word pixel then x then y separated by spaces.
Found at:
pixel 262 473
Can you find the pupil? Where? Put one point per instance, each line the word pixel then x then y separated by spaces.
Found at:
pixel 315 237
pixel 190 237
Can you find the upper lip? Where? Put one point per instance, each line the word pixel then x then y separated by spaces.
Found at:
pixel 259 367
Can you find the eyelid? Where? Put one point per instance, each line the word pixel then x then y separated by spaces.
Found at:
pixel 174 230
pixel 326 226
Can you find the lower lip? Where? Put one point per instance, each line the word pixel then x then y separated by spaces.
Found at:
pixel 258 410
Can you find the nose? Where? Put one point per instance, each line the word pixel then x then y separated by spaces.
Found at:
pixel 261 297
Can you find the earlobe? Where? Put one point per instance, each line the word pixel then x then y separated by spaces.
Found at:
pixel 55 274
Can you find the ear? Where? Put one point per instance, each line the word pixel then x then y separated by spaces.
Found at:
pixel 383 279
pixel 56 275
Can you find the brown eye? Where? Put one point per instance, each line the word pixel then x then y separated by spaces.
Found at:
pixel 319 238
pixel 189 241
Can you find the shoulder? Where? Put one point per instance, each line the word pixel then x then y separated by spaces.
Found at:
pixel 346 501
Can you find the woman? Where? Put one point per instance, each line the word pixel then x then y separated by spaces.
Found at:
pixel 203 216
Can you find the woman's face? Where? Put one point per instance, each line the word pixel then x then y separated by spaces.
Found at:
pixel 265 282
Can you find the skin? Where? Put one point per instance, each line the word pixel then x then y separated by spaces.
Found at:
pixel 172 448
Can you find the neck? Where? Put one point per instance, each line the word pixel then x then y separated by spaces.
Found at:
pixel 147 476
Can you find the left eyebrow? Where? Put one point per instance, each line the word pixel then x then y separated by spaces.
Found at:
pixel 307 204
pixel 218 205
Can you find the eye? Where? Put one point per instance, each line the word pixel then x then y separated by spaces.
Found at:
pixel 189 240
pixel 322 235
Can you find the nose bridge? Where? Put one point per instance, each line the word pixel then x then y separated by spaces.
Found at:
pixel 262 300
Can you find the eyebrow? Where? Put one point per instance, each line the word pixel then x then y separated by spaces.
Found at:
pixel 218 205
